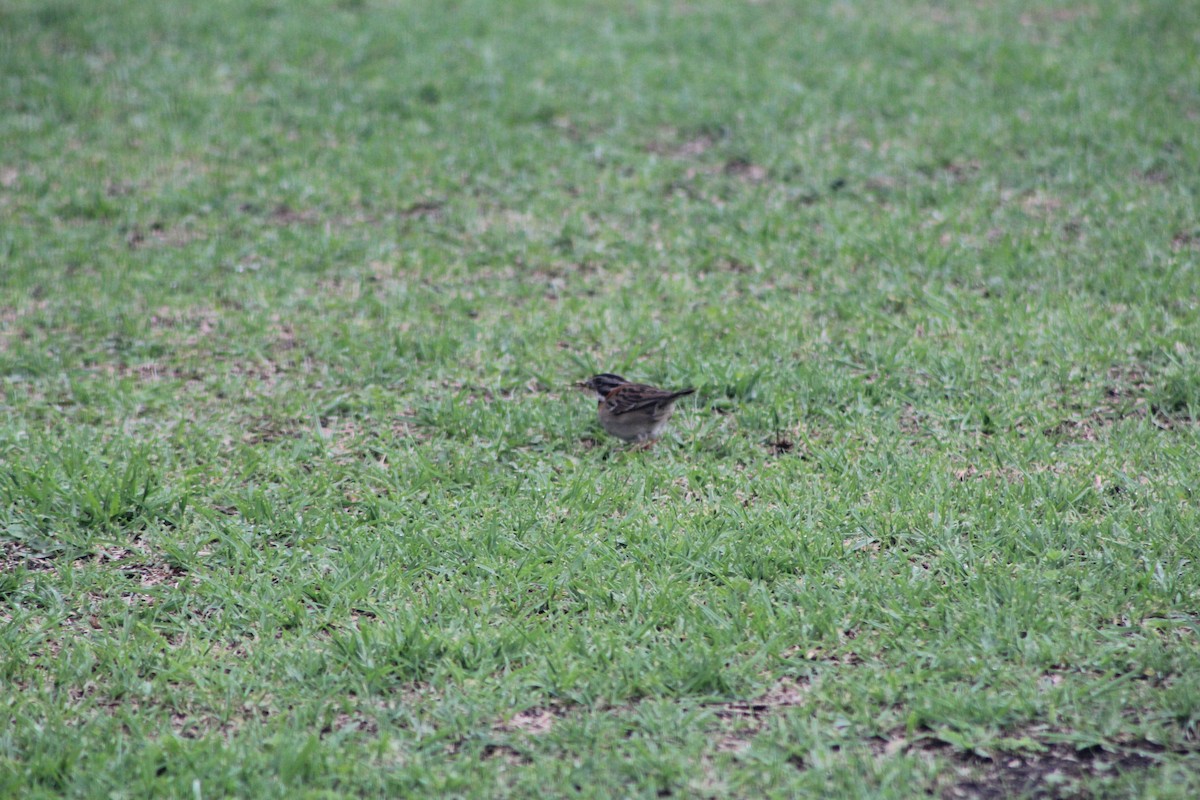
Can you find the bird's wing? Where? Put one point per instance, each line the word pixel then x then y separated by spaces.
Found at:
pixel 636 397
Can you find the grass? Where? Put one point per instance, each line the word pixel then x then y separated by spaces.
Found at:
pixel 297 501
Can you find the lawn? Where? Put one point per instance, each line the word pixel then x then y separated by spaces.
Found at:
pixel 297 499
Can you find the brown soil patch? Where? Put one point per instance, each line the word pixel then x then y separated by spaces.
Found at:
pixel 283 214
pixel 1074 430
pixel 197 726
pixel 746 718
pixel 15 554
pixel 692 147
pixel 747 171
pixel 1124 398
pixel 147 372
pixel 1034 768
pixel 424 208
pixel 200 321
pixel 741 719
pixel 1040 204
pixel 533 721
pixel 285 338
pixel 1153 176
pixel 1046 26
pixel 137 561
pixel 266 372
pixel 730 264
pixel 354 722
pixel 186 724
pixel 912 421
pixel 1060 16
pixel 845 658
pixel 1185 240
pixel 686 148
pixel 9 177
pixel 961 171
pixel 1006 474
pixel 505 752
pixel 787 692
pixel 265 429
pixel 779 445
pixel 1052 773
pixel 160 235
pixel 11 316
pixel 405 424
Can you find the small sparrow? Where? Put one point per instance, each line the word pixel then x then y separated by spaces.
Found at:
pixel 634 412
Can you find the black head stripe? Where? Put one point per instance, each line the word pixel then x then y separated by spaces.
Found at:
pixel 606 382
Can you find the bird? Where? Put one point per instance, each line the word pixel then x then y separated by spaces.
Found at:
pixel 633 412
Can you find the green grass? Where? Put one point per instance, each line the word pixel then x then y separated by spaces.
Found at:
pixel 296 499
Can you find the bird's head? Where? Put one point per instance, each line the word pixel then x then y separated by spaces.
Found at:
pixel 602 384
